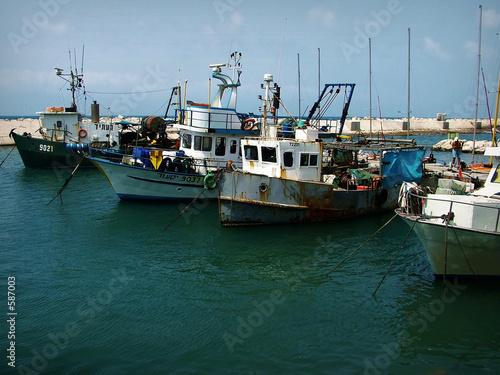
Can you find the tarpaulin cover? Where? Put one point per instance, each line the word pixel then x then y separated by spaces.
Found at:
pixel 402 166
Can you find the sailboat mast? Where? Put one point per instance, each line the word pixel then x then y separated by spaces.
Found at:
pixel 494 143
pixel 298 68
pixel 478 78
pixel 409 64
pixel 370 75
pixel 319 72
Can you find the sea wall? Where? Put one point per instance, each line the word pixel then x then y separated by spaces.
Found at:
pixel 416 125
pixel 351 127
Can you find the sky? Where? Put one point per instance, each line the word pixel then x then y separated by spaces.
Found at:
pixel 134 52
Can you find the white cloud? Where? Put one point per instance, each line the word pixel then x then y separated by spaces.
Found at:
pixel 237 19
pixel 113 81
pixel 23 78
pixel 323 17
pixel 434 48
pixel 491 18
pixel 59 28
pixel 470 48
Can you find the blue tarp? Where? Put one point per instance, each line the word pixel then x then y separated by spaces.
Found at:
pixel 402 166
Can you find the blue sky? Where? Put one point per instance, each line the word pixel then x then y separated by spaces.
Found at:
pixel 139 49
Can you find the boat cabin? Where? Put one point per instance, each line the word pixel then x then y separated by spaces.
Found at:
pixel 56 122
pixel 292 159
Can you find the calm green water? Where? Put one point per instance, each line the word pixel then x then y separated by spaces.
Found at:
pixel 101 288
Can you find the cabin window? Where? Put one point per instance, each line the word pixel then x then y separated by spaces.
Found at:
pixel 186 141
pixel 220 146
pixel 268 154
pixel 251 152
pixel 233 146
pixel 308 160
pixel 207 144
pixel 197 143
pixel 288 159
pixel 304 160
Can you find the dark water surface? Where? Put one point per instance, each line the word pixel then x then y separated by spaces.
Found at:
pixel 101 288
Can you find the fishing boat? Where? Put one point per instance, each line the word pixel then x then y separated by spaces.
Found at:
pixel 209 136
pixel 63 136
pixel 460 232
pixel 314 177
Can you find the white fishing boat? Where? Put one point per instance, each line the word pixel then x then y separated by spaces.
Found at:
pixel 209 138
pixel 460 232
pixel 308 179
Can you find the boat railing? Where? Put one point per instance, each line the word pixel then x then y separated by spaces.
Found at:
pixel 458 213
pixel 210 118
pixel 148 158
pixel 57 135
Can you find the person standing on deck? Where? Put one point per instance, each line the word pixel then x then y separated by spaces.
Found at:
pixel 456 152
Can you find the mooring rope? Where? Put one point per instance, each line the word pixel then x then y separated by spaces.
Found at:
pixel 185 209
pixel 363 244
pixel 397 254
pixel 59 193
pixel 7 156
pixel 216 178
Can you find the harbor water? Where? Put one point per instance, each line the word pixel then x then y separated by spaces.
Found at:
pixel 101 288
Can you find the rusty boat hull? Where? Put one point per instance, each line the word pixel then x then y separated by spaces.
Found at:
pixel 249 199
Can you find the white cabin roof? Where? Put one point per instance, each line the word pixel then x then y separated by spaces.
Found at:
pixel 492 151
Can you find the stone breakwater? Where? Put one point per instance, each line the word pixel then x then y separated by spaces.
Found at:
pixel 446 145
pixel 352 126
pixel 417 126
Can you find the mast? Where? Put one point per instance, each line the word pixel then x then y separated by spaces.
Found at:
pixel 75 81
pixel 478 77
pixel 370 75
pixel 409 64
pixel 319 72
pixel 494 143
pixel 298 68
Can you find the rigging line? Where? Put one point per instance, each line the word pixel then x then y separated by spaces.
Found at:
pixel 281 54
pixel 463 252
pixel 487 101
pixel 284 107
pixel 445 250
pixel 7 155
pixel 363 244
pixel 185 209
pixel 126 93
pixel 392 263
pixel 59 193
pixel 217 176
pixel 330 101
pixel 327 105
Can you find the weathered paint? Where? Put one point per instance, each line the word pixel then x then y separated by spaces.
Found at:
pixel 242 202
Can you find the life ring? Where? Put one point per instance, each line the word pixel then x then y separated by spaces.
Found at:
pixel 248 124
pixel 82 133
pixel 209 182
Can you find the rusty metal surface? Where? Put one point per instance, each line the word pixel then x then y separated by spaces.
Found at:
pixel 244 200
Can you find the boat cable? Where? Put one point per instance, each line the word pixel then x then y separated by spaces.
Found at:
pixel 216 179
pixel 393 260
pixel 463 253
pixel 59 193
pixel 449 216
pixel 7 155
pixel 363 244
